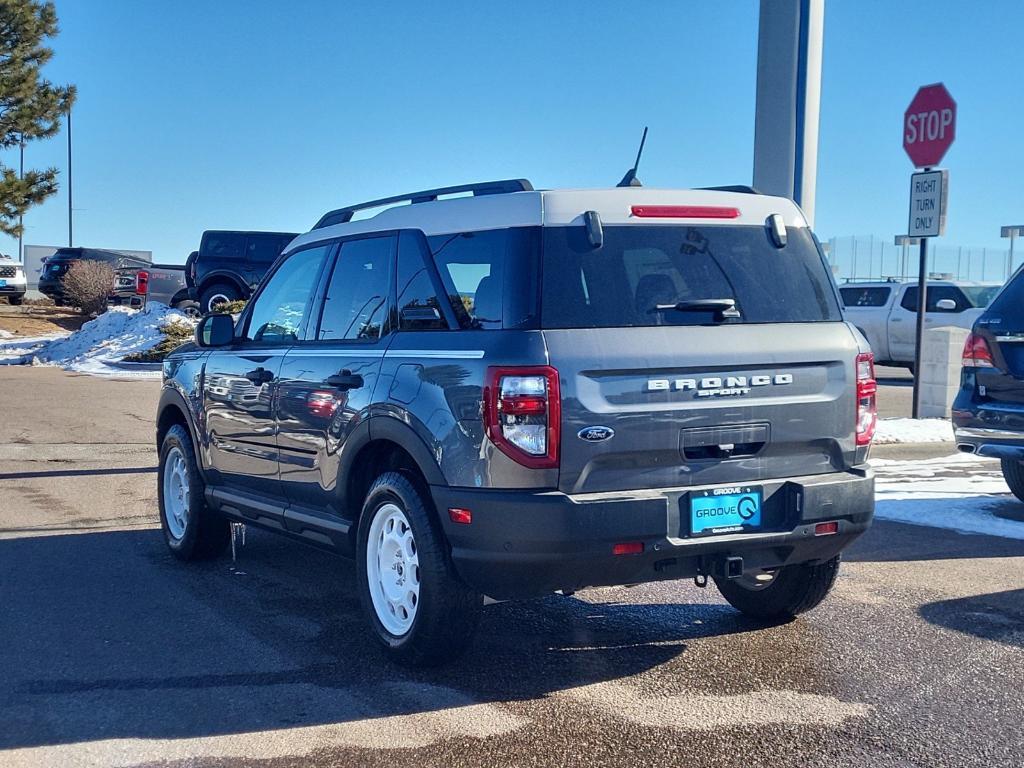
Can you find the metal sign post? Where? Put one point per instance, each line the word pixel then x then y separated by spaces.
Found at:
pixel 929 127
pixel 928 194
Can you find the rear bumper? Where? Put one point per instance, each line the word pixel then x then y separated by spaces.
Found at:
pixel 995 430
pixel 523 544
pixel 126 300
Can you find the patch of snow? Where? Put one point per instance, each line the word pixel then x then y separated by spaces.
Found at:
pixel 107 339
pixel 17 350
pixel 892 431
pixel 6 334
pixel 961 492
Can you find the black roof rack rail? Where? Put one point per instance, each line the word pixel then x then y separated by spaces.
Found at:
pixel 344 215
pixel 743 188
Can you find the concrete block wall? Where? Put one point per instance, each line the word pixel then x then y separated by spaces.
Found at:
pixel 939 376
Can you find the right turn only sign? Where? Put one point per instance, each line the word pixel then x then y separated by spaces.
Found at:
pixel 928 191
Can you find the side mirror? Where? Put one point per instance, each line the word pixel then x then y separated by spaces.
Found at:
pixel 215 331
pixel 946 305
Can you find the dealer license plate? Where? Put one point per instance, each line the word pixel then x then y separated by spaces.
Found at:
pixel 736 509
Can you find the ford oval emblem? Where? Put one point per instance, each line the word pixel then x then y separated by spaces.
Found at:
pixel 596 434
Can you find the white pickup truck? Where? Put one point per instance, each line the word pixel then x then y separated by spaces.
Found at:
pixel 886 312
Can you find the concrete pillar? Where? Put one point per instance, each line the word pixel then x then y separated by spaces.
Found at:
pixel 788 95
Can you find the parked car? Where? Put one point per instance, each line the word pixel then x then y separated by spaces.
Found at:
pixel 988 412
pixel 51 280
pixel 518 392
pixel 229 265
pixel 12 280
pixel 886 312
pixel 136 286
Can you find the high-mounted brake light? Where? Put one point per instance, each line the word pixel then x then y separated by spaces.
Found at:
pixel 523 414
pixel 976 353
pixel 142 282
pixel 867 405
pixel 684 212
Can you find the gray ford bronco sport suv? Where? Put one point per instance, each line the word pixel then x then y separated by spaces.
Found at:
pixel 513 392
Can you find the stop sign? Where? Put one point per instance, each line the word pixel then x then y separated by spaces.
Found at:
pixel 929 125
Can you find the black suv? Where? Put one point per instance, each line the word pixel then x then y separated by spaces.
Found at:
pixel 988 412
pixel 516 392
pixel 51 279
pixel 229 265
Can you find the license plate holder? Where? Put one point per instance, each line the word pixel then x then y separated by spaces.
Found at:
pixel 733 509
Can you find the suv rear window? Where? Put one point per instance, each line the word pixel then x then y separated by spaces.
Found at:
pixel 865 297
pixel 640 268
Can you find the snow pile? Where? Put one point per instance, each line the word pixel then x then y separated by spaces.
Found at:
pixel 107 339
pixel 6 334
pixel 891 431
pixel 961 492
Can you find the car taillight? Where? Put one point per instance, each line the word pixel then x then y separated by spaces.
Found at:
pixel 684 212
pixel 523 414
pixel 142 282
pixel 976 353
pixel 867 406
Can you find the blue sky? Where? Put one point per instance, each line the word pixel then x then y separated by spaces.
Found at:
pixel 197 115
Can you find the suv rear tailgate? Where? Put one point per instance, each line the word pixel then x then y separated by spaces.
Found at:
pixel 676 397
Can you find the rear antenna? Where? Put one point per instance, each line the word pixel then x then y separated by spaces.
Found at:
pixel 630 179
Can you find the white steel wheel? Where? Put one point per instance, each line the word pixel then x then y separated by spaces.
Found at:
pixel 176 492
pixel 393 569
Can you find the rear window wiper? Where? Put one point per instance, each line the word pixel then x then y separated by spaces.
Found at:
pixel 723 308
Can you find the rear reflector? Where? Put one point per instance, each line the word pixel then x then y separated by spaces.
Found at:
pixel 628 548
pixel 826 529
pixel 460 516
pixel 685 212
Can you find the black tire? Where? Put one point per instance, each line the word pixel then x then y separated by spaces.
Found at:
pixel 447 611
pixel 189 309
pixel 1013 473
pixel 206 534
pixel 794 590
pixel 216 294
pixel 58 302
pixel 15 301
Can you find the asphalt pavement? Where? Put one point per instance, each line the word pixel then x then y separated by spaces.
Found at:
pixel 116 654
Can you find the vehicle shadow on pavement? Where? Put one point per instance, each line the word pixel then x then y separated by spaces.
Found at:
pixel 998 616
pixel 108 637
pixel 889 541
pixel 77 473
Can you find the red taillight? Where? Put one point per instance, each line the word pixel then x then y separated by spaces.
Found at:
pixel 142 282
pixel 523 414
pixel 976 353
pixel 685 212
pixel 867 405
pixel 628 548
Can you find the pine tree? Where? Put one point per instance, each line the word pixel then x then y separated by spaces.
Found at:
pixel 31 107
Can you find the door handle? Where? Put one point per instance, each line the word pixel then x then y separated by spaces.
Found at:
pixel 259 376
pixel 345 380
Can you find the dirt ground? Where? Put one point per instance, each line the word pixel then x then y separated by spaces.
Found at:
pixel 39 320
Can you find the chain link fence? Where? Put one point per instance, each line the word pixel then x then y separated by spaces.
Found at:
pixel 874 257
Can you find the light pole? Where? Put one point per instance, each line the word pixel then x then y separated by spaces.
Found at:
pixel 1011 232
pixel 903 241
pixel 71 239
pixel 21 218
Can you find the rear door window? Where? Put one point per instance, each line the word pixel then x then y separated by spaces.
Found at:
pixel 865 297
pixel 356 304
pixel 224 245
pixel 419 308
pixel 642 273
